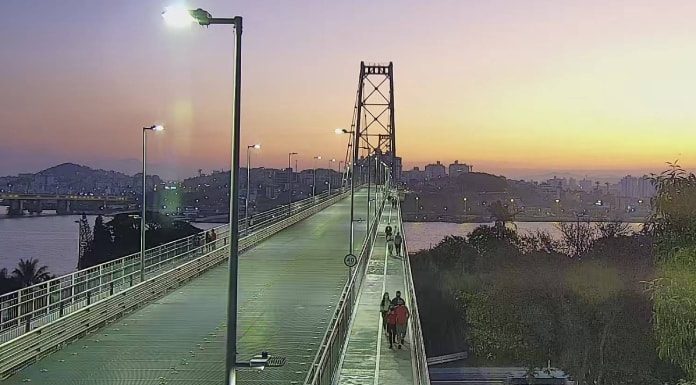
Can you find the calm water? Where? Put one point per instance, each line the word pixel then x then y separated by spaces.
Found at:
pixel 424 235
pixel 51 239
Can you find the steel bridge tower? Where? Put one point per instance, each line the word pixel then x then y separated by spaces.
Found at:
pixel 373 127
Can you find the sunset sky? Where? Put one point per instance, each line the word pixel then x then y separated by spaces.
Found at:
pixel 512 87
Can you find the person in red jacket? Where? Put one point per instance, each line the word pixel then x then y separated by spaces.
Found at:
pixel 391 327
pixel 401 318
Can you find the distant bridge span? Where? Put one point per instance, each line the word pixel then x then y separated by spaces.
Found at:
pixel 62 203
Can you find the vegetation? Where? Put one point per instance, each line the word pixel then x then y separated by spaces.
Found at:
pixel 603 304
pixel 27 273
pixel 673 291
pixel 121 236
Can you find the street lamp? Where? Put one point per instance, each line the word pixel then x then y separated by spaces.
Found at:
pixel 465 205
pixel 290 181
pixel 246 202
pixel 330 172
pixel 341 131
pixel 179 16
pixel 155 128
pixel 314 175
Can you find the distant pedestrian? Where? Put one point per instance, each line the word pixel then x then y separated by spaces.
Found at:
pixel 398 240
pixel 401 315
pixel 390 246
pixel 384 310
pixel 388 231
pixel 398 300
pixel 213 238
pixel 391 327
pixel 208 239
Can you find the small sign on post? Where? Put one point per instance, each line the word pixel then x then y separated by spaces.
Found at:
pixel 350 260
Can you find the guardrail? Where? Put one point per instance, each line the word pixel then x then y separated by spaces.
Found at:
pixel 328 356
pixel 420 361
pixel 29 308
pixel 100 310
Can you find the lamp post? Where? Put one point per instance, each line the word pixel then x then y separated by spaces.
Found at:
pixel 330 172
pixel 464 205
pixel 353 179
pixel 182 17
pixel 155 128
pixel 314 176
pixel 290 154
pixel 246 202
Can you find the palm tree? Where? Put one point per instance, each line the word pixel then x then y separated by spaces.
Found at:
pixel 29 273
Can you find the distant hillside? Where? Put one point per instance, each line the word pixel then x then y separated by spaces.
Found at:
pixel 72 170
pixel 481 182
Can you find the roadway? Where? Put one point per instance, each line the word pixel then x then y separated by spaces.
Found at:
pixel 289 285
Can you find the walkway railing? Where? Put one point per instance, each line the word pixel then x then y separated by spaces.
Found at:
pixel 328 357
pixel 26 309
pixel 420 359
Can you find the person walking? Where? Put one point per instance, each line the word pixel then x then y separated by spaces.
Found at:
pixel 398 300
pixel 388 231
pixel 213 238
pixel 398 240
pixel 391 327
pixel 401 315
pixel 390 246
pixel 208 239
pixel 384 310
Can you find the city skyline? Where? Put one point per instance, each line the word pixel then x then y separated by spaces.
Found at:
pixel 521 88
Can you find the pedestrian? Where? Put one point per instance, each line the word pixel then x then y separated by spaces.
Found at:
pixel 391 327
pixel 401 315
pixel 398 300
pixel 208 238
pixel 213 238
pixel 398 240
pixel 390 246
pixel 384 310
pixel 388 231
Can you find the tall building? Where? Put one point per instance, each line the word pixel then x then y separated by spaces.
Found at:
pixel 636 187
pixel 435 171
pixel 457 168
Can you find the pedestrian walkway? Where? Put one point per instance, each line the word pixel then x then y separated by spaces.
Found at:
pixel 288 289
pixel 368 359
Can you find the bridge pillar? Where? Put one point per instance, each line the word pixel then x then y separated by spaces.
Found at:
pixel 34 207
pixel 63 207
pixel 16 208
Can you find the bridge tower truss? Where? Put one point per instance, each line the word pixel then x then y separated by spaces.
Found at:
pixel 373 127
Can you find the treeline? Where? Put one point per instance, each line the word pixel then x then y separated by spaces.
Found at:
pixel 605 305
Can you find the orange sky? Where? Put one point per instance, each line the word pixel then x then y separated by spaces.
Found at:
pixel 503 85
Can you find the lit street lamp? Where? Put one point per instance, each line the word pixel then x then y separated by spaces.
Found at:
pixel 181 17
pixel 155 128
pixel 246 202
pixel 465 205
pixel 330 171
pixel 314 175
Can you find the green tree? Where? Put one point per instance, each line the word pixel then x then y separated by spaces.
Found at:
pixel 673 225
pixel 29 272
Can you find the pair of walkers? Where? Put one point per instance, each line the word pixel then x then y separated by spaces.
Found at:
pixel 393 242
pixel 394 319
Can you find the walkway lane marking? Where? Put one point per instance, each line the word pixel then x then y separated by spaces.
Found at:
pixel 379 325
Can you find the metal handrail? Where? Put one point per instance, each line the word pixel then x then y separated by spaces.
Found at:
pixel 327 358
pixel 26 309
pixel 420 361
